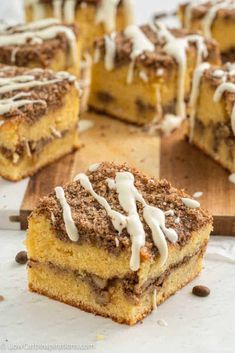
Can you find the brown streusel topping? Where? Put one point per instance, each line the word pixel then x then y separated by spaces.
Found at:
pixel 93 223
pixel 155 59
pixel 52 94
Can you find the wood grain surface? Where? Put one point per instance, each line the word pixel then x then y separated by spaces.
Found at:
pixel 172 158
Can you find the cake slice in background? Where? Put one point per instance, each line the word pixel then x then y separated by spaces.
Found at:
pixel 38 119
pixel 144 73
pixel 212 113
pixel 115 242
pixel 215 19
pixel 94 17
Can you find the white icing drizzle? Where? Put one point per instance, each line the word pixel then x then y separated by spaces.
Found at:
pixel 231 178
pixel 70 226
pixel 84 125
pixel 190 202
pixel 94 167
pixel 128 195
pixel 143 75
pixel 55 132
pixel 197 194
pixel 111 184
pixel 160 72
pixel 10 84
pixel 7 105
pixel 198 73
pixel 226 87
pixel 140 44
pixel 65 10
pixel 130 73
pixel 13 55
pixel 218 73
pixel 28 151
pixel 110 51
pixel 116 242
pixel 69 11
pixel 176 47
pixel 177 220
pixel 170 123
pixel 211 15
pixel 32 26
pixel 96 57
pixel 18 82
pixel 188 11
pixel 37 33
pixel 57 9
pixel 38 11
pixel 169 213
pixel 107 13
pixel 118 220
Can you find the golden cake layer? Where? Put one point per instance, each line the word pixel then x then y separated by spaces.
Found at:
pixel 94 17
pixel 148 72
pixel 78 256
pixel 212 126
pixel 38 119
pixel 45 44
pixel 215 19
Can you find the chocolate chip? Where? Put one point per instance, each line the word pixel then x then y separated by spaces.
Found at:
pixel 105 97
pixel 201 291
pixel 21 257
pixel 1 298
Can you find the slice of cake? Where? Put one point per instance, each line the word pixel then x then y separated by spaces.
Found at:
pixel 147 71
pixel 115 242
pixel 212 116
pixel 94 17
pixel 38 119
pixel 45 44
pixel 216 19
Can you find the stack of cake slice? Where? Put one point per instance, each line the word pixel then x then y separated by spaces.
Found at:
pixel 115 242
pixel 143 73
pixel 38 119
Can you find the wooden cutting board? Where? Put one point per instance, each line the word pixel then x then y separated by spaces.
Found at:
pixel 170 157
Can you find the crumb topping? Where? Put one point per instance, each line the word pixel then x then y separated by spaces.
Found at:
pixel 95 226
pixel 41 52
pixel 51 93
pixel 156 59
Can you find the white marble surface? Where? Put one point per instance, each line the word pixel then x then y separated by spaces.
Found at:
pixel 194 324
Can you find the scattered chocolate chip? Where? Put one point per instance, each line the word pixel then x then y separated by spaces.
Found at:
pixel 201 291
pixel 1 298
pixel 21 257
